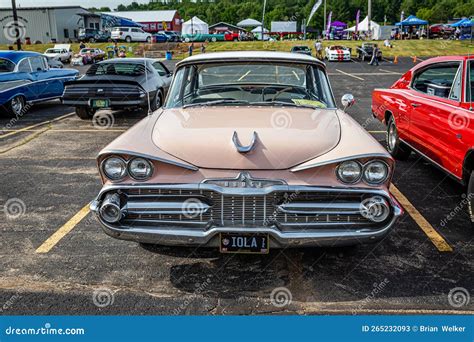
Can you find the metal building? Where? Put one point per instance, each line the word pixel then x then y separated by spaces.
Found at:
pixel 44 24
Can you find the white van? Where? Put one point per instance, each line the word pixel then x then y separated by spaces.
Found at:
pixel 130 34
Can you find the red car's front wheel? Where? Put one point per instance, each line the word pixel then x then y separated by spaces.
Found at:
pixel 396 148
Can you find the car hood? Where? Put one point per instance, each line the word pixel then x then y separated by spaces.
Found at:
pixel 285 136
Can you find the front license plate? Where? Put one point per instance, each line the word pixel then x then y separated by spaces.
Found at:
pixel 100 103
pixel 244 243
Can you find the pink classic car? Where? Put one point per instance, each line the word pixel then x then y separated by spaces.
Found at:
pixel 248 153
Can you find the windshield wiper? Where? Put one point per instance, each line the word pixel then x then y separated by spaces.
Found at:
pixel 215 102
pixel 282 103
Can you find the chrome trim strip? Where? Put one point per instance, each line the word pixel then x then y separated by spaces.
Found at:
pixel 143 155
pixel 244 149
pixel 338 160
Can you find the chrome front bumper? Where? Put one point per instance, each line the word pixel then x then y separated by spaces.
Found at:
pixel 327 228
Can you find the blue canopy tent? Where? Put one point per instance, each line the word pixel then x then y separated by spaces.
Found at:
pixel 465 26
pixel 412 21
pixel 462 23
pixel 113 21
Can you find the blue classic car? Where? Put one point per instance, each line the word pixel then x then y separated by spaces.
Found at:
pixel 26 78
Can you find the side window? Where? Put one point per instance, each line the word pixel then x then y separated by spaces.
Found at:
pixel 160 68
pixel 436 80
pixel 24 66
pixel 455 93
pixel 135 30
pixel 124 29
pixel 37 64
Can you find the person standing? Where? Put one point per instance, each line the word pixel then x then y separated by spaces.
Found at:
pixel 203 48
pixel 318 46
pixel 191 47
pixel 375 52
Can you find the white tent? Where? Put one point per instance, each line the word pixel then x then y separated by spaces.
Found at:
pixel 364 27
pixel 257 32
pixel 194 25
pixel 249 23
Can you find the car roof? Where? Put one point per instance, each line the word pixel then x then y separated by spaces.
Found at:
pixel 259 56
pixel 447 59
pixel 16 56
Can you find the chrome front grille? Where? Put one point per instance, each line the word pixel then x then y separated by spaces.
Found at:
pixel 287 211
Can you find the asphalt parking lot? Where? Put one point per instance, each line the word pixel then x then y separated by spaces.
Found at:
pixel 54 258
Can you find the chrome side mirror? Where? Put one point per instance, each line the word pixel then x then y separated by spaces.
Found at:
pixel 347 101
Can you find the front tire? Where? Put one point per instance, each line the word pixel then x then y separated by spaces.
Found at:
pixel 157 101
pixel 84 113
pixel 128 39
pixel 396 147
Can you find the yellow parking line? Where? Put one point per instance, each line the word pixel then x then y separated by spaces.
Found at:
pixel 425 226
pixel 377 132
pixel 63 231
pixel 35 125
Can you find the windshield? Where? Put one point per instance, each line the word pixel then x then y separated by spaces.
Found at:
pixel 6 65
pixel 261 83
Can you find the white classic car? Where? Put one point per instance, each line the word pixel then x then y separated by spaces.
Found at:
pixel 337 53
pixel 60 52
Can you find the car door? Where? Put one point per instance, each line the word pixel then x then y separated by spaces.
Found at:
pixel 436 110
pixel 164 75
pixel 48 82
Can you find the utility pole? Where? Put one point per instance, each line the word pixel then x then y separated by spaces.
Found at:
pixel 369 17
pixel 15 23
pixel 263 19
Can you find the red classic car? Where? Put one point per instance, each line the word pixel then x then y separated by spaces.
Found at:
pixel 430 110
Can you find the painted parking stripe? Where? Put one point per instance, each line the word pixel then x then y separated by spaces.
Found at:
pixel 391 72
pixel 377 132
pixel 35 125
pixel 425 226
pixel 347 74
pixel 63 231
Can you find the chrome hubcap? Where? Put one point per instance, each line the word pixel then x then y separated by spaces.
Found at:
pixel 17 105
pixel 392 137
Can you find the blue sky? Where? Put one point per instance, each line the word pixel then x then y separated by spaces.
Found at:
pixel 84 3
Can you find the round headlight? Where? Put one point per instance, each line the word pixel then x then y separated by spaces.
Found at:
pixel 140 169
pixel 114 168
pixel 375 172
pixel 349 171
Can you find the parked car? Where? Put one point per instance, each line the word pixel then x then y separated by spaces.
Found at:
pixel 88 56
pixel 301 49
pixel 159 38
pixel 117 84
pixel 25 79
pixel 429 111
pixel 130 34
pixel 93 35
pixel 203 37
pixel 337 53
pixel 61 52
pixel 366 50
pixel 54 63
pixel 172 36
pixel 441 31
pixel 248 153
pixel 231 36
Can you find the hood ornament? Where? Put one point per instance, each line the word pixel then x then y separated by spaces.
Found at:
pixel 244 149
